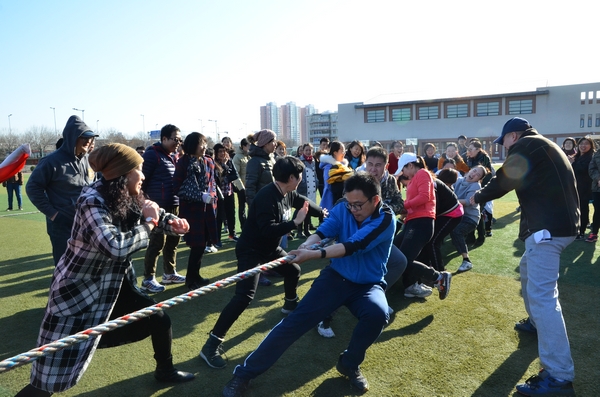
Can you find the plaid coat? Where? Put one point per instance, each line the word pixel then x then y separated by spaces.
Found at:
pixel 85 286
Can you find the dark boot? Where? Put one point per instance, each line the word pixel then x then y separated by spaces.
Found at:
pixel 166 372
pixel 211 352
pixel 30 391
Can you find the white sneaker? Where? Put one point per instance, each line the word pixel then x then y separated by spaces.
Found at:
pixel 174 278
pixel 418 291
pixel 325 332
pixel 465 266
pixel 210 249
pixel 150 285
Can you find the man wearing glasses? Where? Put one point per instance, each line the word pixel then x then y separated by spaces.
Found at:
pixel 158 169
pixel 56 183
pixel 354 278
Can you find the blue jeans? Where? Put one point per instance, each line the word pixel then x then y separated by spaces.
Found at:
pixel 460 233
pixel 329 291
pixel 16 189
pixel 539 269
pixel 59 231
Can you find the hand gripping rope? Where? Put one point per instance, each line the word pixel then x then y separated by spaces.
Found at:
pixel 50 348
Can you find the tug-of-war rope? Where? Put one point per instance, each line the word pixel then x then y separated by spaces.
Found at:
pixel 51 348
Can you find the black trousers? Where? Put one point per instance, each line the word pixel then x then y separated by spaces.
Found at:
pixel 245 289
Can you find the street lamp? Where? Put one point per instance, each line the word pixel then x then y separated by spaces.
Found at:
pixel 9 128
pixel 54 111
pixel 80 110
pixel 143 123
pixel 216 131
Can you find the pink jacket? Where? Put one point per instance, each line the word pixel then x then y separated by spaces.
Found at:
pixel 420 196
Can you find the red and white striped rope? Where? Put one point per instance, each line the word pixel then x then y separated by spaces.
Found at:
pixel 50 348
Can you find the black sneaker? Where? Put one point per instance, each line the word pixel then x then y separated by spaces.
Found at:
pixel 525 325
pixel 211 352
pixel 236 387
pixel 443 285
pixel 357 379
pixel 290 305
pixel 580 237
pixel 544 384
pixel 198 283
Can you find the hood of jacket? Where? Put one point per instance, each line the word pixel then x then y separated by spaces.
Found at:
pixel 74 127
pixel 238 150
pixel 328 159
pixel 256 151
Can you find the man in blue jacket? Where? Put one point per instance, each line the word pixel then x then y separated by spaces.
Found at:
pixel 55 184
pixel 364 228
pixel 158 169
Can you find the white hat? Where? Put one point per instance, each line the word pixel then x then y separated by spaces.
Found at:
pixel 405 159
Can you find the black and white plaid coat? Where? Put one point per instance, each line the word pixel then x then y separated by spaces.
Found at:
pixel 85 286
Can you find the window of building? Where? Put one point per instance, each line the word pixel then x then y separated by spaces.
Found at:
pixel 597 119
pixel 457 110
pixel 521 106
pixel 582 121
pixel 590 97
pixel 582 96
pixel 428 112
pixel 401 114
pixel 597 96
pixel 589 120
pixel 487 108
pixel 375 115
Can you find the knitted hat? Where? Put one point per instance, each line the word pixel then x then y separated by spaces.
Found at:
pixel 263 137
pixel 114 160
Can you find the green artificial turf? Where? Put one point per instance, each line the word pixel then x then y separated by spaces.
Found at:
pixel 462 346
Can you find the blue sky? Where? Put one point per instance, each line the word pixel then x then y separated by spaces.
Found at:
pixel 181 61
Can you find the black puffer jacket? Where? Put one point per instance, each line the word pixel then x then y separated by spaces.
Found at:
pixel 259 171
pixel 541 175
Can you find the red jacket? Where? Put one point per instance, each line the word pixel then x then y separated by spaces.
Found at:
pixel 420 196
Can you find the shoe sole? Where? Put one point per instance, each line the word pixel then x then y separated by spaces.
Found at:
pixel 417 296
pixel 208 362
pixel 447 292
pixel 149 291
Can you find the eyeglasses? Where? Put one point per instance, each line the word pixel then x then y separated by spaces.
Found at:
pixel 355 206
pixel 176 139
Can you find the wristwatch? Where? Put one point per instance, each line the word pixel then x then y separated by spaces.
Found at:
pixel 323 253
pixel 152 220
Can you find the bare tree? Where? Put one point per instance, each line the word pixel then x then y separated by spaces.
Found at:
pixel 140 139
pixel 9 141
pixel 41 139
pixel 112 136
